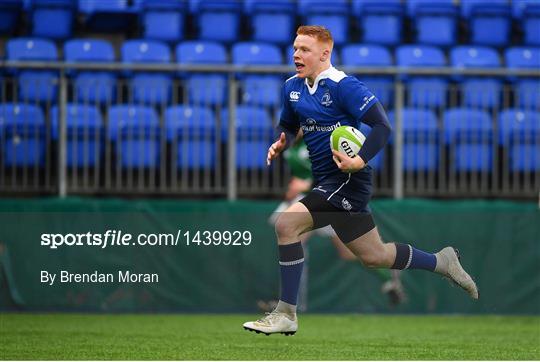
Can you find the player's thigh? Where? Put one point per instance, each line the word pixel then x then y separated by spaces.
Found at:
pixel 294 221
pixel 343 251
pixel 370 249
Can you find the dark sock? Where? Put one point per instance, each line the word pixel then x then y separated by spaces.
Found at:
pixel 408 257
pixel 291 263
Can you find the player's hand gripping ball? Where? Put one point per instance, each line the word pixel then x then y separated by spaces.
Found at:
pixel 348 140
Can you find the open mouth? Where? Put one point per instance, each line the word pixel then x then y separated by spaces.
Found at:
pixel 299 66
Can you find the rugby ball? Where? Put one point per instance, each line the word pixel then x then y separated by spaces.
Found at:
pixel 347 139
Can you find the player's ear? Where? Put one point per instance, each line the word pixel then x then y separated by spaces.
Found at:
pixel 325 55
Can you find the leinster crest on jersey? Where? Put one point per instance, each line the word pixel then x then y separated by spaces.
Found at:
pixel 326 99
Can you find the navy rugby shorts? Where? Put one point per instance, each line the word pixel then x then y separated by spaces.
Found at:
pixel 342 202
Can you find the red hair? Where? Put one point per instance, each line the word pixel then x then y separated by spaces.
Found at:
pixel 318 32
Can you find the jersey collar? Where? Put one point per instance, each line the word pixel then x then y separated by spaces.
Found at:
pixel 324 74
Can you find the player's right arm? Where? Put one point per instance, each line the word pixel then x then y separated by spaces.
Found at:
pixel 276 148
pixel 287 128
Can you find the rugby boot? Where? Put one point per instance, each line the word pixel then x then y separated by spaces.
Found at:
pixel 448 265
pixel 274 322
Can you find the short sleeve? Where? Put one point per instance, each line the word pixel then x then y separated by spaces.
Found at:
pixel 355 98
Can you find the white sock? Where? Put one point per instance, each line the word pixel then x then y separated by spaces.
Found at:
pixel 289 309
pixel 442 264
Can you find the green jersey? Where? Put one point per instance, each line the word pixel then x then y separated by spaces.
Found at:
pixel 297 157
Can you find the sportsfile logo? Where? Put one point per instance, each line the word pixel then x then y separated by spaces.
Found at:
pixel 311 125
pixel 294 96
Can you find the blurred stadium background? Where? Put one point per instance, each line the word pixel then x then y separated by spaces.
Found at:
pixel 147 115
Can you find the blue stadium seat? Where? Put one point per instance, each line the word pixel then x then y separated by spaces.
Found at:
pixel 366 55
pixel 333 15
pixel 88 50
pixel 271 21
pixel 163 20
pixel 53 18
pixel 254 132
pixel 10 11
pixel 23 129
pixel 522 57
pixel 412 5
pixel 91 86
pixel 531 24
pixel 381 22
pixel 436 23
pixel 90 6
pixel 468 6
pixel 201 52
pixel 259 89
pixel 31 49
pixel 468 134
pixel 519 134
pixel 219 20
pixel 262 90
pixel 424 91
pixel 206 89
pixel 474 57
pixel 420 139
pixel 34 85
pixel 84 129
pixel 108 15
pixel 490 24
pixel 148 88
pixel 360 55
pixel 191 131
pixel 519 6
pixel 518 126
pixel 203 88
pixel 145 51
pixel 256 53
pixel 526 89
pixel 477 92
pixel 527 94
pixel 525 158
pixel 136 133
pixel 194 6
pixel 482 93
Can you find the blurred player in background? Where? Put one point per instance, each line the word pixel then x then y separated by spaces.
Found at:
pixel 318 99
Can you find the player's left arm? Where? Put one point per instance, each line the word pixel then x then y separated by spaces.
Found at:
pixel 363 106
pixel 376 118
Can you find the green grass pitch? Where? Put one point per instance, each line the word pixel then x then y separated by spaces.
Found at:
pixel 320 337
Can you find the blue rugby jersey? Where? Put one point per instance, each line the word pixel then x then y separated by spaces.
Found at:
pixel 334 100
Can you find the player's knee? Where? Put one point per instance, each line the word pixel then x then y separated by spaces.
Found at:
pixel 286 229
pixel 372 260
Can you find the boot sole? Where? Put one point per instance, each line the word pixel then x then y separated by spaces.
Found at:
pixel 268 333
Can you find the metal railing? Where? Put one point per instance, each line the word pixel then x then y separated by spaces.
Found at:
pixel 133 138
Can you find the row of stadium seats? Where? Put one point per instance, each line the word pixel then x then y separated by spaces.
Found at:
pixel 470 136
pixel 381 22
pixel 250 7
pixel 136 132
pixel 208 52
pixel 156 88
pixel 194 132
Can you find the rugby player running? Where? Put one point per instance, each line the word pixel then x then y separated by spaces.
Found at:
pixel 318 99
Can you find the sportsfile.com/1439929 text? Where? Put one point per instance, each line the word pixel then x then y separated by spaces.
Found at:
pixel 121 238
